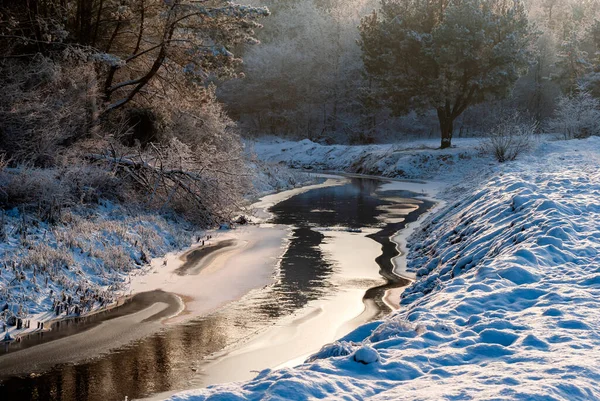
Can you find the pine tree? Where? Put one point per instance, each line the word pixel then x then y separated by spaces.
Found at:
pixel 445 54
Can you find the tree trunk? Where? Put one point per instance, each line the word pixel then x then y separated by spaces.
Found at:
pixel 446 127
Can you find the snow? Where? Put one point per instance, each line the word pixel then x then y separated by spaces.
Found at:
pixel 88 257
pixel 272 177
pixel 505 305
pixel 366 355
pixel 221 277
pixel 415 159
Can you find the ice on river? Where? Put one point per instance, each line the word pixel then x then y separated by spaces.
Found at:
pixel 506 304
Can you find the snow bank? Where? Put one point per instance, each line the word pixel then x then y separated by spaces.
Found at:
pixel 420 159
pixel 80 264
pixel 268 178
pixel 505 307
pixel 86 261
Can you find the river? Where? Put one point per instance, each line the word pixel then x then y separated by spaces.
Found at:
pixel 331 278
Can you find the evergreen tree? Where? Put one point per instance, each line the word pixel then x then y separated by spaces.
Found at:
pixel 445 54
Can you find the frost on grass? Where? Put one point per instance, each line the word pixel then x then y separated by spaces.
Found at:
pixel 85 258
pixel 505 306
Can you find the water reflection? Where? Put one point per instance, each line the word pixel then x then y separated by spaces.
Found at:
pixel 172 358
pixel 303 276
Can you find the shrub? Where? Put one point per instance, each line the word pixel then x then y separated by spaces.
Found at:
pixel 511 137
pixel 184 157
pixel 44 106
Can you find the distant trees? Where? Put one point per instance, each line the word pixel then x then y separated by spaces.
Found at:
pixel 446 54
pixel 304 77
pixel 571 26
pixel 577 116
pixel 411 65
pixel 565 79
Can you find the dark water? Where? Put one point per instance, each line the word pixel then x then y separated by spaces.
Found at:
pixel 172 358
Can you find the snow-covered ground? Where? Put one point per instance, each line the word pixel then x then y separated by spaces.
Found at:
pixel 81 264
pixel 506 301
pixel 272 177
pixel 414 159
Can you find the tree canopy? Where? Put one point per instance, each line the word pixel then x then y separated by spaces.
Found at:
pixel 445 54
pixel 136 43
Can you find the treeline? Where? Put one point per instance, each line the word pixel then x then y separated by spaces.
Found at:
pixel 113 99
pixel 128 88
pixel 335 70
pixel 306 78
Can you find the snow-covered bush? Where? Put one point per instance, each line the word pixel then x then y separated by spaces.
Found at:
pixel 42 191
pixel 44 105
pixel 141 114
pixel 510 138
pixel 577 116
pixel 191 165
pixel 47 192
pixel 338 348
pixel 202 179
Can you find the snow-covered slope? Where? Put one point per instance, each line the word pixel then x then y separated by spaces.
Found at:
pixel 87 258
pixel 507 305
pixel 417 159
pixel 268 178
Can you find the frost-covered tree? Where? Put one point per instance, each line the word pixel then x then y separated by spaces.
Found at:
pixel 570 25
pixel 577 116
pixel 535 93
pixel 176 37
pixel 124 87
pixel 302 80
pixel 136 43
pixel 445 54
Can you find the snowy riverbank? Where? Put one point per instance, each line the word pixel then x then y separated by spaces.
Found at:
pixel 89 260
pixel 414 159
pixel 243 259
pixel 82 264
pixel 505 305
pixel 224 266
